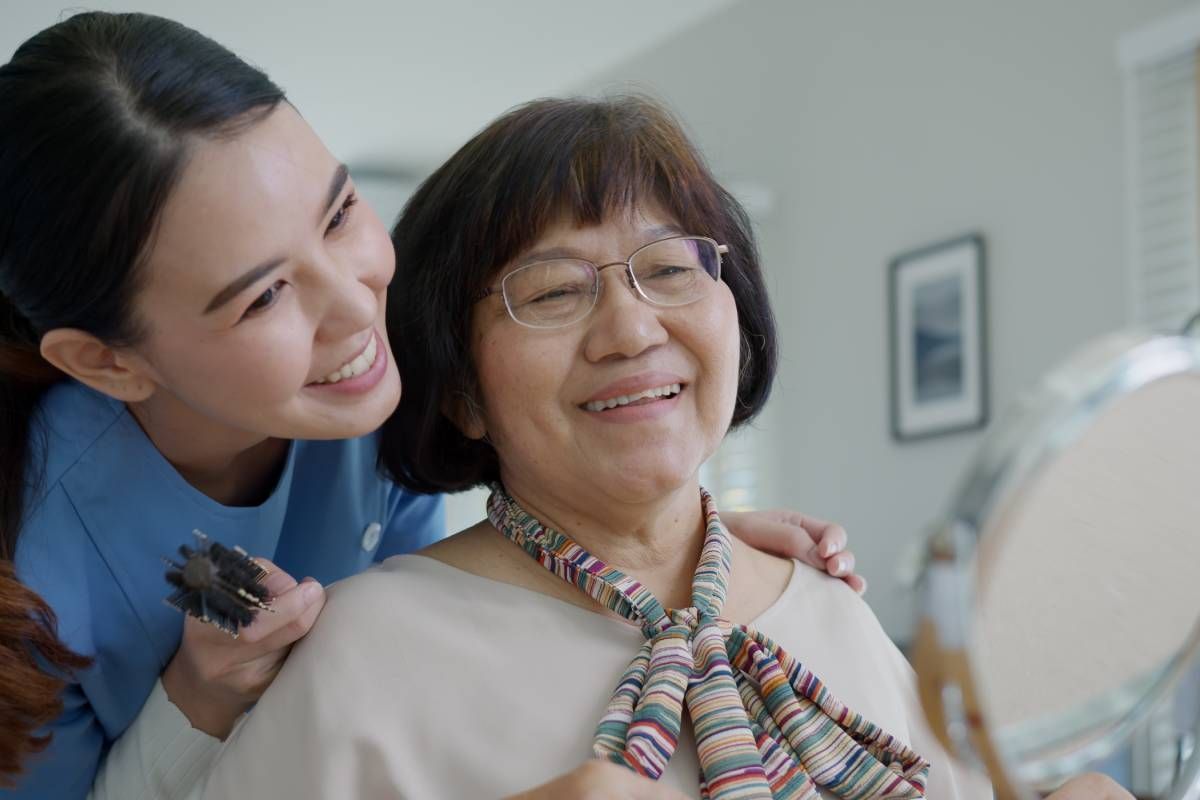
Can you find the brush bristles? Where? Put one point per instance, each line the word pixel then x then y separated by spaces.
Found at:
pixel 217 584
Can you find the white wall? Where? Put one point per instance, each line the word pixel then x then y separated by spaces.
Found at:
pixel 402 83
pixel 878 127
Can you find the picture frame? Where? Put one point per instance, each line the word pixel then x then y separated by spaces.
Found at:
pixel 938 339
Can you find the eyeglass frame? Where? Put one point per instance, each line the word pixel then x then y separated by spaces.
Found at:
pixel 488 291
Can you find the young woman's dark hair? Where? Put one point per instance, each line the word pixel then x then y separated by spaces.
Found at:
pixel 588 159
pixel 97 116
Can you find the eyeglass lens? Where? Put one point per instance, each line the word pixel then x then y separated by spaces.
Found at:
pixel 670 272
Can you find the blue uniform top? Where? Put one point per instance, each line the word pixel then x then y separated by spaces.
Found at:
pixel 108 507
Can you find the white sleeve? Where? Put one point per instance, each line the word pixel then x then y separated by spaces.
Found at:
pixel 159 757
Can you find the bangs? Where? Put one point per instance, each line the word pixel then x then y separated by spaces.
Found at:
pixel 586 163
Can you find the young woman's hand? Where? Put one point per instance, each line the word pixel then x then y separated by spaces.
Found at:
pixel 601 780
pixel 791 534
pixel 214 678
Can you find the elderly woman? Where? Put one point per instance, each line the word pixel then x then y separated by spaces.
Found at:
pixel 580 312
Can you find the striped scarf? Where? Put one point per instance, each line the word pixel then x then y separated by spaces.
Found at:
pixel 765 726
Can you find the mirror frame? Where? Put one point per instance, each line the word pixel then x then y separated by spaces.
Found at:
pixel 1041 426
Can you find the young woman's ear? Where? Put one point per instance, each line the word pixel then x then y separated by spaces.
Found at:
pixel 90 361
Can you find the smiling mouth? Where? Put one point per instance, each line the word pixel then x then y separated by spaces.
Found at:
pixel 354 367
pixel 642 398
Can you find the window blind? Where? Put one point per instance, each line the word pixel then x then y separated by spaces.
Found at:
pixel 1161 113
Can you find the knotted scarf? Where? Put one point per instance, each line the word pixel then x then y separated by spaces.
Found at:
pixel 765 726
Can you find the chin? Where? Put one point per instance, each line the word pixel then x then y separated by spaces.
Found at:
pixel 362 419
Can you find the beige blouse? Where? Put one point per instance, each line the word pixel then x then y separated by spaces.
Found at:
pixel 421 680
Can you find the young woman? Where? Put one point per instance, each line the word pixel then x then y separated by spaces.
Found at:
pixel 191 337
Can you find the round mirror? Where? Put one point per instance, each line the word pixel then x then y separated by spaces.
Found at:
pixel 1062 595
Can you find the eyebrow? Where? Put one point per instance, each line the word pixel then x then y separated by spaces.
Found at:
pixel 651 234
pixel 241 283
pixel 251 276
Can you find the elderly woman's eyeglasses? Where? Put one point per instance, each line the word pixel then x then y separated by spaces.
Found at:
pixel 559 291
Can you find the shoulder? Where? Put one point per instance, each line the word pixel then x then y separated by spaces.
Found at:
pixel 818 602
pixel 399 577
pixel 78 439
pixel 757 581
pixel 384 621
pixel 482 552
pixel 373 678
pixel 824 624
pixel 370 624
pixel 393 595
pixel 56 557
pixel 478 549
pixel 71 420
pixel 347 686
pixel 81 445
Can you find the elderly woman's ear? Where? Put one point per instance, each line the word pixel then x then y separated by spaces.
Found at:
pixel 462 409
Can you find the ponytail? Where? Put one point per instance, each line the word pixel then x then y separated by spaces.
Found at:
pixel 33 661
pixel 34 664
pixel 24 378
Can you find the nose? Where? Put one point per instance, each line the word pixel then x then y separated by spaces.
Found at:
pixel 622 325
pixel 353 291
pixel 376 264
pixel 353 276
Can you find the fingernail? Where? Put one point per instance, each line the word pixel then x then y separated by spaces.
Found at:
pixel 863 590
pixel 310 592
pixel 839 566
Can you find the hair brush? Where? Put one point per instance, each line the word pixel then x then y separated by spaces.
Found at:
pixel 217 584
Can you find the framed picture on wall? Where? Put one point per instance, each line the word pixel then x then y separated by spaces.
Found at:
pixel 938 339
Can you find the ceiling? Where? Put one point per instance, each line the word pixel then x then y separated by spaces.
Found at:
pixel 400 84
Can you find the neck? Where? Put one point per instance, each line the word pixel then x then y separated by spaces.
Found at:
pixel 233 467
pixel 657 541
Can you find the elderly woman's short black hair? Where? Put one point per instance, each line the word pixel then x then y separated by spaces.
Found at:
pixel 581 158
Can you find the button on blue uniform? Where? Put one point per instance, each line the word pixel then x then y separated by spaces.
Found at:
pixel 370 537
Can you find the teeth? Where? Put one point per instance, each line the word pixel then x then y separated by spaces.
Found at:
pixel 356 366
pixel 626 399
